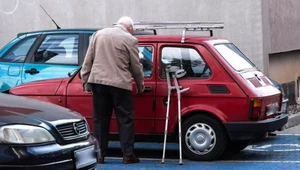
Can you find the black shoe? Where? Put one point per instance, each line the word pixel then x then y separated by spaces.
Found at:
pixel 130 159
pixel 101 160
pixel 272 134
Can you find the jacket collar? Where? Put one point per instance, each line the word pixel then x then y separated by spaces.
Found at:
pixel 120 26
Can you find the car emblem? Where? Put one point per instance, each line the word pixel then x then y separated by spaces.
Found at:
pixel 76 128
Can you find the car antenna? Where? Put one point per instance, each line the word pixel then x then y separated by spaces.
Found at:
pixel 50 17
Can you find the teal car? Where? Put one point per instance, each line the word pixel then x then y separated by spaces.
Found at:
pixel 49 54
pixel 42 55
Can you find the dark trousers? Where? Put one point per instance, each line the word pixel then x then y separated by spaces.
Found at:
pixel 105 100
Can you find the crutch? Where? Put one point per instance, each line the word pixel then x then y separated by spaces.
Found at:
pixel 177 75
pixel 170 88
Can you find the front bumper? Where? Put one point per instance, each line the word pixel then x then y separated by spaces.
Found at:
pixel 254 129
pixel 51 156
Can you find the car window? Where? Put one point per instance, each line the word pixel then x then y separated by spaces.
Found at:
pixel 146 59
pixel 185 58
pixel 234 56
pixel 58 49
pixel 19 52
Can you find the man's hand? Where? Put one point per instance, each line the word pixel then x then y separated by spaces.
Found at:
pixel 141 89
pixel 88 88
pixel 89 91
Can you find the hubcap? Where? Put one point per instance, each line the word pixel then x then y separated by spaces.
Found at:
pixel 200 138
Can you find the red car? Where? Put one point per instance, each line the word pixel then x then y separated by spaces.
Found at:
pixel 230 102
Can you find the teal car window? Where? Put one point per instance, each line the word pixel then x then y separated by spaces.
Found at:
pixel 58 49
pixel 19 52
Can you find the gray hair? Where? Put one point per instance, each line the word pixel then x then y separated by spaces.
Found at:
pixel 125 20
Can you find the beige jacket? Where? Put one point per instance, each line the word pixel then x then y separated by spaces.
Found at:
pixel 112 59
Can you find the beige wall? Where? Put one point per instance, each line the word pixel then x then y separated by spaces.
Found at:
pixel 284 24
pixel 284 67
pixel 284 59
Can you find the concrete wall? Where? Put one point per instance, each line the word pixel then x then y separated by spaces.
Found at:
pixel 284 24
pixel 284 68
pixel 243 18
pixel 285 45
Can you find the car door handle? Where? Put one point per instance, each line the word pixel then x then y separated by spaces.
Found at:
pixel 148 89
pixel 32 71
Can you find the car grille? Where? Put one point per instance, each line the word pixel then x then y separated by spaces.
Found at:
pixel 74 130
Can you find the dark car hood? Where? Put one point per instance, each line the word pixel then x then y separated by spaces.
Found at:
pixel 21 110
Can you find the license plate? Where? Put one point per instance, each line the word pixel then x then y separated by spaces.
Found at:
pixel 283 107
pixel 85 157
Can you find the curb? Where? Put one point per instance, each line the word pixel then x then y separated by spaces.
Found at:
pixel 293 120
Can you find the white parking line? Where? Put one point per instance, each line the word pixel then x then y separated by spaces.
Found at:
pixel 260 161
pixel 273 148
pixel 285 134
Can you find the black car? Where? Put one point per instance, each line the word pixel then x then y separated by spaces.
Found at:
pixel 285 101
pixel 40 135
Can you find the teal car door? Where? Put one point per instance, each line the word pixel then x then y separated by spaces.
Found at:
pixel 12 58
pixel 55 57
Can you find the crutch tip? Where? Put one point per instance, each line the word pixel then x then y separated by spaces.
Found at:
pixel 180 163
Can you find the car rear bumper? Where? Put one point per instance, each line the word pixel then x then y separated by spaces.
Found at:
pixel 51 156
pixel 254 130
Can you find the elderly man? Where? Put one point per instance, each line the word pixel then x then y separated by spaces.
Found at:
pixel 111 61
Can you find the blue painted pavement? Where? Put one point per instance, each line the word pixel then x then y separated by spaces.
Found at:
pixel 278 152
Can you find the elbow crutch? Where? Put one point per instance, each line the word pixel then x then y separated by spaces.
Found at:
pixel 179 74
pixel 176 73
pixel 170 88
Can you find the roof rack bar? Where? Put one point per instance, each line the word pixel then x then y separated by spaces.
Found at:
pixel 185 26
pixel 192 25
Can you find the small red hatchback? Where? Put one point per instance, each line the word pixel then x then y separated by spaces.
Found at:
pixel 228 104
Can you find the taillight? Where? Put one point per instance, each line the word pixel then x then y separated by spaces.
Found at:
pixel 255 108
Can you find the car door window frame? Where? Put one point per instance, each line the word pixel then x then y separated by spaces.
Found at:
pixel 161 64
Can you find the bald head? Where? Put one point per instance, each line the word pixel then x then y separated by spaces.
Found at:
pixel 127 23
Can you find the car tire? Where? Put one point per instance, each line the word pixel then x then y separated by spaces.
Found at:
pixel 236 146
pixel 204 138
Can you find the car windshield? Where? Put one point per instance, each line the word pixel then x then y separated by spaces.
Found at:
pixel 234 56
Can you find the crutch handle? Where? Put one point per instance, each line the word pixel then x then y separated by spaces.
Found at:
pixel 184 90
pixel 172 87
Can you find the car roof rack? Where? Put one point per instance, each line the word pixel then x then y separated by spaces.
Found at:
pixel 185 26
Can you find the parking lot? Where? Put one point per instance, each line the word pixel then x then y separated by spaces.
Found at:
pixel 276 152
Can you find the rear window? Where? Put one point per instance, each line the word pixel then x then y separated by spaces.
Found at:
pixel 234 56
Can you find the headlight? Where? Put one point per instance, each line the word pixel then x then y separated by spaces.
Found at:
pixel 24 134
